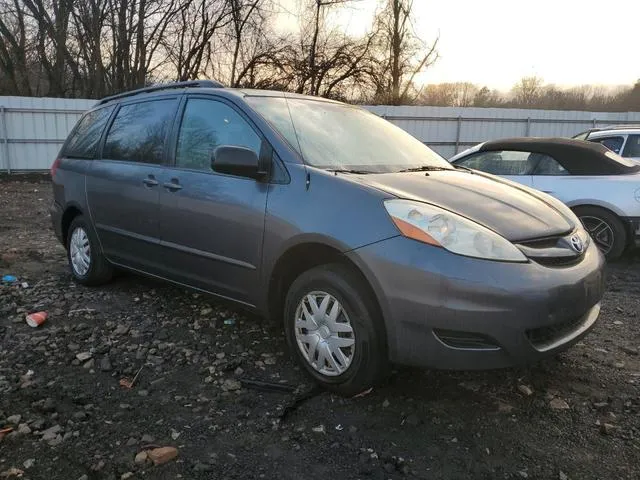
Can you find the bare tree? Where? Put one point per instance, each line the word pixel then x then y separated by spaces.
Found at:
pixel 187 42
pixel 528 90
pixel 13 49
pixel 242 13
pixel 403 54
pixel 458 94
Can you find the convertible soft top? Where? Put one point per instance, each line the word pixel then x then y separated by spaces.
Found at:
pixel 578 157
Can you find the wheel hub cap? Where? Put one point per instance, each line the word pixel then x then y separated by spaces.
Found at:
pixel 80 252
pixel 324 333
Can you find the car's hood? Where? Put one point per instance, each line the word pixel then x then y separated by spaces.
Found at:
pixel 513 211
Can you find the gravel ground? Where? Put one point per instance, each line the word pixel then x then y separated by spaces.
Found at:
pixel 574 417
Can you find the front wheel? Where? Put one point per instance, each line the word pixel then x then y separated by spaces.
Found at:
pixel 88 264
pixel 605 228
pixel 334 330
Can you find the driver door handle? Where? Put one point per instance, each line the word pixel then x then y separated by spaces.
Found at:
pixel 150 181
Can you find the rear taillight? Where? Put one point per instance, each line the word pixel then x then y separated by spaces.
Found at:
pixel 54 167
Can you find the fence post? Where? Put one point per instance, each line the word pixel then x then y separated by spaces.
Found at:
pixel 458 133
pixel 5 137
pixel 528 127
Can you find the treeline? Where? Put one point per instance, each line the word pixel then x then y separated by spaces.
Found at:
pixel 94 48
pixel 532 92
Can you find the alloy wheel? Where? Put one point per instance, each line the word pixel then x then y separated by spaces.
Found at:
pixel 600 231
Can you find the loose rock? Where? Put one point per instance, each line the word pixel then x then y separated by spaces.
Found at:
pixel 559 404
pixel 525 390
pixel 141 458
pixel 162 455
pixel 84 356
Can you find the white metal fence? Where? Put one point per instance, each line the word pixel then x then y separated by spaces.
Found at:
pixel 33 129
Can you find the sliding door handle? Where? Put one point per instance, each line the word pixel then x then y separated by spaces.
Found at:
pixel 172 186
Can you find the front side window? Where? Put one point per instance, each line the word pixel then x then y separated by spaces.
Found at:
pixel 139 132
pixel 502 162
pixel 612 143
pixel 207 124
pixel 337 136
pixel 632 147
pixel 84 140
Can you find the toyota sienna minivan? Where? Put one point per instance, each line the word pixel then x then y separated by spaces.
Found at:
pixel 369 247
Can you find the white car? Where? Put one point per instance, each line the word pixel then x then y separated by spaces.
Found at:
pixel 600 186
pixel 623 139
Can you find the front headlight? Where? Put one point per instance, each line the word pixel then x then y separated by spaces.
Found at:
pixel 442 228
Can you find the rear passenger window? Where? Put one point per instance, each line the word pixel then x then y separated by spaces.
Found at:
pixel 206 124
pixel 84 140
pixel 612 143
pixel 139 131
pixel 632 147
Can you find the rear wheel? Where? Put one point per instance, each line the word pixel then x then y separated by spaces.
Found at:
pixel 88 264
pixel 334 330
pixel 605 228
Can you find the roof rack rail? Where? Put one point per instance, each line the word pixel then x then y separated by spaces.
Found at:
pixel 165 86
pixel 622 126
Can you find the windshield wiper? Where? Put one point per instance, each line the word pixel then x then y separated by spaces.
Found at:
pixel 347 170
pixel 423 168
pixel 466 169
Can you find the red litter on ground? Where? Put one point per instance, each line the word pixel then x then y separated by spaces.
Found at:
pixel 36 319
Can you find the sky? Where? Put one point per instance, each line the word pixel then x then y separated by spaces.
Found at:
pixel 497 42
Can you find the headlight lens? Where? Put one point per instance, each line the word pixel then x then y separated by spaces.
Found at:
pixel 442 228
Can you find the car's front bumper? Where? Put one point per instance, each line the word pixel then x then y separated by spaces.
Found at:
pixel 447 311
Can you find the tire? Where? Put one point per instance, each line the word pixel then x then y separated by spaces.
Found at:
pixel 99 270
pixel 368 360
pixel 605 228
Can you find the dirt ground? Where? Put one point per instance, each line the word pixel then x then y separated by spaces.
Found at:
pixel 574 417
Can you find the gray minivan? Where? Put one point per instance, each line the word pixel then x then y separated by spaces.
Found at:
pixel 369 247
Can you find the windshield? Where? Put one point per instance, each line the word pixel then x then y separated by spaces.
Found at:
pixel 341 137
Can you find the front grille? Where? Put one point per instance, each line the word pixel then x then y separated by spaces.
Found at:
pixel 465 340
pixel 557 261
pixel 551 251
pixel 542 337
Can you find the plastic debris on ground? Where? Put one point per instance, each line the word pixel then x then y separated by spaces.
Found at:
pixel 9 279
pixel 126 383
pixel 36 319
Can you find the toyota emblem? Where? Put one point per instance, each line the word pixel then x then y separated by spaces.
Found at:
pixel 576 243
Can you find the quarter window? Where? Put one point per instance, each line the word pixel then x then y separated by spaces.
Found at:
pixel 632 147
pixel 612 143
pixel 139 131
pixel 549 166
pixel 84 140
pixel 207 124
pixel 502 162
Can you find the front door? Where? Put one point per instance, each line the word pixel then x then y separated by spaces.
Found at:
pixel 211 225
pixel 123 187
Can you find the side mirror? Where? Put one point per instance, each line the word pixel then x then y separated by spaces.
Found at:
pixel 234 160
